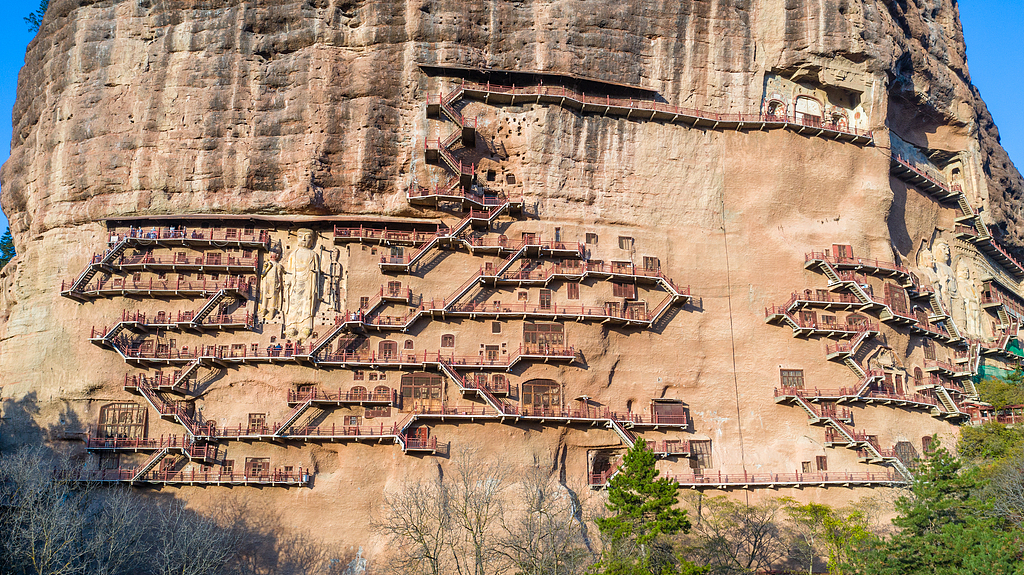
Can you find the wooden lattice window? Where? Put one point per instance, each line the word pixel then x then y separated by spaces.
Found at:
pixel 572 291
pixel 358 392
pixel 808 318
pixel 652 263
pixel 421 386
pixel 447 340
pixel 896 298
pixel 372 412
pixel 257 422
pixel 701 450
pixel 388 349
pixel 394 288
pixel 257 466
pixel 542 393
pixel 668 412
pixel 623 290
pixel 636 310
pixel 842 251
pixel 591 239
pixel 905 452
pixel 545 299
pixel 495 327
pixel 491 352
pixel 540 336
pixel 381 391
pixel 409 344
pixel 625 243
pixel 927 444
pixel 822 462
pixel 358 375
pixel 122 421
pixel 929 349
pixel 792 378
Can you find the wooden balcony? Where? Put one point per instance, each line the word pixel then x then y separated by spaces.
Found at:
pixel 650 110
pixel 172 236
pixel 153 287
pixel 190 476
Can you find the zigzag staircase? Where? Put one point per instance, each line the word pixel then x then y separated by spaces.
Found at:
pixel 150 463
pixel 627 436
pixel 465 131
pixel 208 307
pixel 462 290
pixel 949 406
pixel 498 405
pixel 172 411
pixel 295 414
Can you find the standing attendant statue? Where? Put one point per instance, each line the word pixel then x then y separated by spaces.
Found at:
pixel 969 292
pixel 270 287
pixel 301 282
pixel 944 274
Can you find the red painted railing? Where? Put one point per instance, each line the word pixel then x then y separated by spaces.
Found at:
pixel 205 260
pixel 239 284
pixel 132 350
pixel 190 475
pixel 157 381
pixel 653 106
pixel 384 234
pixel 317 394
pixel 842 392
pixel 171 318
pixel 863 262
pixel 934 178
pixel 744 478
pixel 181 232
pixel 942 365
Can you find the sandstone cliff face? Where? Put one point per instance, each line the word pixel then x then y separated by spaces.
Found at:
pixel 315 108
pixel 312 106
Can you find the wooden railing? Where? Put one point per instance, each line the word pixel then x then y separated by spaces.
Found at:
pixel 862 262
pixel 182 232
pixel 317 394
pixel 191 476
pixel 384 234
pixel 235 283
pixel 157 381
pixel 639 104
pixel 934 178
pixel 205 260
pixel 746 478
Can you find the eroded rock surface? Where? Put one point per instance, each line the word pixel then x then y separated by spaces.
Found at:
pixel 313 114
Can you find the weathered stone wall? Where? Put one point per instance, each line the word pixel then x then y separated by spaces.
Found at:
pixel 305 109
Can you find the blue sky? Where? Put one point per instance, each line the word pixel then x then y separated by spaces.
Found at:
pixel 995 55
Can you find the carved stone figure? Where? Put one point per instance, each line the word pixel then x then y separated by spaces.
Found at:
pixel 301 280
pixel 967 287
pixel 946 279
pixel 271 286
pixel 926 266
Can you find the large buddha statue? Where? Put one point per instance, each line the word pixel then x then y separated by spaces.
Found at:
pixel 301 280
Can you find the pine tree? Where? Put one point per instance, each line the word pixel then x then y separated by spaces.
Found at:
pixel 643 507
pixel 6 248
pixel 946 528
pixel 35 19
